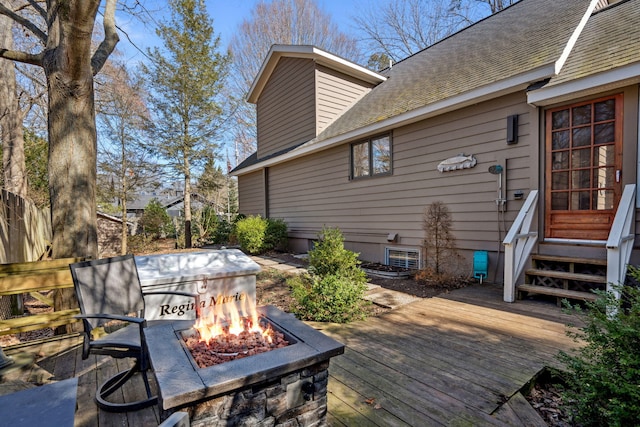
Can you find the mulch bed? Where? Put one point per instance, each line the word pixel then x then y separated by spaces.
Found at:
pixel 408 285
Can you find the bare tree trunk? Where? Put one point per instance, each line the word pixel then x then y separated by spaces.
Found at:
pixel 125 228
pixel 123 200
pixel 72 146
pixel 72 161
pixel 69 68
pixel 12 135
pixel 187 204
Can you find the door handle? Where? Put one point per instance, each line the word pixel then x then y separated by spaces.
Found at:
pixel 618 175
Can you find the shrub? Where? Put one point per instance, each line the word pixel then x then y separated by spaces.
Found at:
pixel 329 256
pixel 257 235
pixel 204 224
pixel 222 233
pixel 333 289
pixel 276 234
pixel 140 243
pixel 428 277
pixel 603 376
pixel 330 298
pixel 155 220
pixel 250 232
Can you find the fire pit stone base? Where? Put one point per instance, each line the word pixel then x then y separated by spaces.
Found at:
pixel 297 399
pixel 286 386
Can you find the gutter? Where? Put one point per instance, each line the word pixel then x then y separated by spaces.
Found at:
pixel 612 79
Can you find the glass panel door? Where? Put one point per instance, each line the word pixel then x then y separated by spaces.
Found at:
pixel 584 144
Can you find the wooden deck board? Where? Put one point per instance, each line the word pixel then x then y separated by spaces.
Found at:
pixel 134 390
pixel 446 371
pixel 347 405
pixel 451 360
pixel 414 400
pixel 488 345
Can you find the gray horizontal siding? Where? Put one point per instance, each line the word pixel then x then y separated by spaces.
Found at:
pixel 286 108
pixel 336 92
pixel 315 191
pixel 251 194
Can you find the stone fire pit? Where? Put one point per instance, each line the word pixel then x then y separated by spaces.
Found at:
pixel 285 385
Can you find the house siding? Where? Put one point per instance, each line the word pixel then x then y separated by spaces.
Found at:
pixel 336 92
pixel 313 192
pixel 286 108
pixel 251 194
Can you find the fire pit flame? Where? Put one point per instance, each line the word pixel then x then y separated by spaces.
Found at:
pixel 217 323
pixel 219 337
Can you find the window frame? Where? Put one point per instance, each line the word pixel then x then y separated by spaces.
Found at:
pixel 370 160
pixel 407 259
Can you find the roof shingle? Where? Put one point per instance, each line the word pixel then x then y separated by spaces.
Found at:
pixel 527 35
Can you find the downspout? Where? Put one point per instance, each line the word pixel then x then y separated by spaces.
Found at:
pixel 638 153
pixel 265 180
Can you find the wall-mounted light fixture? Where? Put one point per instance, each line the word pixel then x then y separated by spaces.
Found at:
pixel 512 129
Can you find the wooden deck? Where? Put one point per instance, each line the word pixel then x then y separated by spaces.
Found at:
pixel 451 360
pixel 459 359
pixel 53 360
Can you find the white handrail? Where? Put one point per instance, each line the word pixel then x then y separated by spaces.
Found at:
pixel 518 245
pixel 621 238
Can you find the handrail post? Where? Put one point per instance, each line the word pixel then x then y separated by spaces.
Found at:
pixel 518 245
pixel 620 241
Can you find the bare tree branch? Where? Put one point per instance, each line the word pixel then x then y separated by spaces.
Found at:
pixel 276 22
pixel 111 38
pixel 24 22
pixel 401 28
pixel 38 8
pixel 27 58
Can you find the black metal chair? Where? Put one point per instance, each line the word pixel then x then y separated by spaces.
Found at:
pixel 109 291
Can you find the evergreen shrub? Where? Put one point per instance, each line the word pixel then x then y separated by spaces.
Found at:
pixel 276 234
pixel 334 287
pixel 250 232
pixel 603 376
pixel 257 235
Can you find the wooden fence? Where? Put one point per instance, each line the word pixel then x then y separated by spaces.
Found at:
pixel 25 235
pixel 25 230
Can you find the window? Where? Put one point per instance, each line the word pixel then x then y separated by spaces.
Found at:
pixel 405 258
pixel 371 157
pixel 582 147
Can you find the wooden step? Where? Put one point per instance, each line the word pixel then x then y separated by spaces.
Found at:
pixel 566 275
pixel 557 292
pixel 570 260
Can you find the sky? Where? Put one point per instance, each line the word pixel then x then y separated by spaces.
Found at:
pixel 227 15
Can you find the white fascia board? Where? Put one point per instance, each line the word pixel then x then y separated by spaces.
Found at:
pixel 613 79
pixel 304 51
pixel 494 90
pixel 574 37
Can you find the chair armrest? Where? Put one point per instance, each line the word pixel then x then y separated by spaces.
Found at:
pixel 131 319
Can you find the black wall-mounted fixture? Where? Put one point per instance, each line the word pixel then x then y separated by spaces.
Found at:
pixel 512 129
